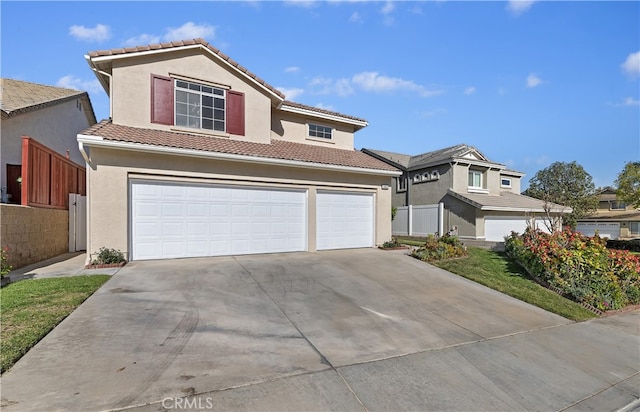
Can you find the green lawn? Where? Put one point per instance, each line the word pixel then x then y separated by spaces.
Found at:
pixel 29 309
pixel 410 241
pixel 497 271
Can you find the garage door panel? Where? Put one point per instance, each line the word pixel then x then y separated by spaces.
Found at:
pixel 497 227
pixel 179 220
pixel 344 220
pixel 605 230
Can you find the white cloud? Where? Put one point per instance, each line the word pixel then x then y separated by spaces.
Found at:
pixel 189 30
pixel 356 18
pixel 72 82
pixel 416 10
pixel 632 65
pixel 324 107
pixel 518 7
pixel 629 101
pixel 533 81
pixel 341 87
pixel 388 7
pixel 469 90
pixel 292 69
pixel 502 91
pixel 98 34
pixel 301 3
pixel 374 82
pixel 290 94
pixel 432 112
pixel 142 39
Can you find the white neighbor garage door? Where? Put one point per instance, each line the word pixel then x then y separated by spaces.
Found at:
pixel 610 230
pixel 172 220
pixel 344 220
pixel 497 227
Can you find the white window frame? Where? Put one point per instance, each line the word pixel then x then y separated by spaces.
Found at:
pixel 617 203
pixel 321 132
pixel 401 184
pixel 503 180
pixel 201 90
pixel 474 173
pixel 637 228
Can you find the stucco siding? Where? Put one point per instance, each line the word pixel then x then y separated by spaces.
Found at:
pixel 131 94
pixel 55 127
pixel 292 127
pixel 108 217
pixel 431 192
pixel 460 214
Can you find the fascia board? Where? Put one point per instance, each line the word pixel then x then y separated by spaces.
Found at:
pixel 325 116
pixel 97 141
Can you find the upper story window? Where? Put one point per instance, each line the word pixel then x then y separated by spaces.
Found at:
pixel 199 106
pixel 401 184
pixel 505 182
pixel 618 205
pixel 321 132
pixel 475 179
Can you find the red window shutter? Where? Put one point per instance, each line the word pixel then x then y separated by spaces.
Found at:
pixel 235 113
pixel 161 99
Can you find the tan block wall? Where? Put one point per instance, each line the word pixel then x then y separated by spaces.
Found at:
pixel 33 234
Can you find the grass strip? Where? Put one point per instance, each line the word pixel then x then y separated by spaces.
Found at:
pixel 497 271
pixel 30 309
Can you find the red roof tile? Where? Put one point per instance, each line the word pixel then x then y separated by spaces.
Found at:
pixel 277 149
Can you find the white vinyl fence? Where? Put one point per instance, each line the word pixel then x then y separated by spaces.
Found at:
pixel 419 220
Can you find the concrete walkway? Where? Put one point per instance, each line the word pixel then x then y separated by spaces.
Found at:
pixel 67 264
pixel 337 330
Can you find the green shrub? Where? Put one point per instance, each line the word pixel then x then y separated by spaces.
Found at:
pixel 580 266
pixel 108 256
pixel 5 268
pixel 439 248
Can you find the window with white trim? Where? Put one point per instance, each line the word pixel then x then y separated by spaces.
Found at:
pixel 322 132
pixel 401 184
pixel 200 106
pixel 618 205
pixel 505 182
pixel 475 179
pixel 634 228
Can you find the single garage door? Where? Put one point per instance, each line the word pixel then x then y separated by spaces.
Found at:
pixel 609 230
pixel 497 227
pixel 173 220
pixel 344 220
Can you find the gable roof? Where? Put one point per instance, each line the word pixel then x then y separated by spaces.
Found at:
pixel 18 96
pixel 294 107
pixel 507 202
pixel 457 153
pixel 283 152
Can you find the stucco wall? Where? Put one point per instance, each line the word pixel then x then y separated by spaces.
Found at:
pixel 33 234
pixel 131 94
pixel 292 127
pixel 55 127
pixel 460 214
pixel 428 193
pixel 108 208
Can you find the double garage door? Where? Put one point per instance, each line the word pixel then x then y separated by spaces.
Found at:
pixel 497 227
pixel 608 230
pixel 172 220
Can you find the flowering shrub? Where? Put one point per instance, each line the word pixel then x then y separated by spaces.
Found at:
pixel 5 268
pixel 438 248
pixel 580 266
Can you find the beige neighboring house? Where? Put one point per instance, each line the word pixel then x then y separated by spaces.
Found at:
pixel 203 158
pixel 481 198
pixel 614 219
pixel 51 115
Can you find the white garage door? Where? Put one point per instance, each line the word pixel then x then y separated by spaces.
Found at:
pixel 497 227
pixel 172 220
pixel 609 230
pixel 344 220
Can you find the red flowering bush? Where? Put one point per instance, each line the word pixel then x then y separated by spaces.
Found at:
pixel 580 266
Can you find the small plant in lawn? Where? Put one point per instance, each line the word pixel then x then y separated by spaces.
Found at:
pixel 391 244
pixel 108 256
pixel 5 268
pixel 439 248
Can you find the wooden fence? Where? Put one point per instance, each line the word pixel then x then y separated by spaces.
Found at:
pixel 48 177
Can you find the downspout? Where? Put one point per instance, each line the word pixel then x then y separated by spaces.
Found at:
pixel 84 153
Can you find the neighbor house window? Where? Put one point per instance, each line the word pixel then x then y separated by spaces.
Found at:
pixel 199 106
pixel 618 205
pixel 475 179
pixel 401 184
pixel 505 182
pixel 634 228
pixel 321 132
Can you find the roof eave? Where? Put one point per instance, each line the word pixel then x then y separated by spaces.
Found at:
pixel 358 124
pixel 89 140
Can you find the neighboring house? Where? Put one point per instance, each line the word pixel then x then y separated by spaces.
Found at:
pixel 203 158
pixel 481 198
pixel 614 218
pixel 51 115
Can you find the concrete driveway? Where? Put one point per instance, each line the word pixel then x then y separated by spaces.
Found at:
pixel 337 330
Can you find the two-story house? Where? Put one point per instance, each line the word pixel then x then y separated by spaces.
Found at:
pixel 203 158
pixel 481 198
pixel 51 115
pixel 613 219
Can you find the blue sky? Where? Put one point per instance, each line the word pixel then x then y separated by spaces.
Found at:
pixel 527 83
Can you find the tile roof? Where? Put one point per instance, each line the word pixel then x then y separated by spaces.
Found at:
pixel 397 158
pixel 506 201
pixel 614 215
pixel 323 111
pixel 277 149
pixel 18 96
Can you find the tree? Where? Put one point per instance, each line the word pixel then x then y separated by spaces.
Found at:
pixel 628 184
pixel 566 184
